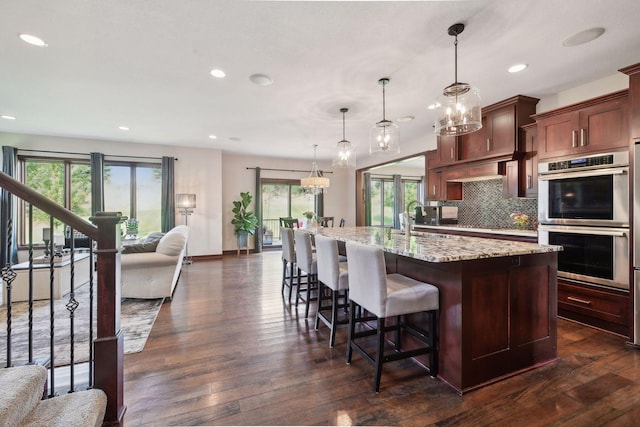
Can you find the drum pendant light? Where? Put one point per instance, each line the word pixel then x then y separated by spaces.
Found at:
pixel 345 155
pixel 385 135
pixel 315 182
pixel 458 107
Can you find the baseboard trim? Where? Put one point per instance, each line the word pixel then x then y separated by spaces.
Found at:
pixel 205 257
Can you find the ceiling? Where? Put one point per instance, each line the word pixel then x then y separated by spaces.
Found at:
pixel 145 64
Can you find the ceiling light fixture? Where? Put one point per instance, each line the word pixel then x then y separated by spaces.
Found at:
pixel 32 40
pixel 345 155
pixel 458 107
pixel 517 68
pixel 7 117
pixel 385 135
pixel 315 182
pixel 212 137
pixel 123 128
pixel 218 73
pixel 583 37
pixel 261 79
pixel 405 118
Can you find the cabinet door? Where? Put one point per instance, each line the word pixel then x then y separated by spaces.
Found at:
pixel 451 190
pixel 448 149
pixel 510 185
pixel 604 126
pixel 558 135
pixel 434 191
pixel 475 145
pixel 531 162
pixel 501 126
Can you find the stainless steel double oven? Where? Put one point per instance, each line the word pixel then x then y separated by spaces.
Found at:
pixel 584 206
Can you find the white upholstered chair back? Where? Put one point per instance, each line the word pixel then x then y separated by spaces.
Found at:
pixel 328 263
pixel 304 252
pixel 288 251
pixel 367 277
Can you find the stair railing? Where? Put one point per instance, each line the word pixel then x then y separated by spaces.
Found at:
pixel 108 344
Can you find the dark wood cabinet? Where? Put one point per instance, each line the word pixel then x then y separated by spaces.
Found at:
pixel 593 126
pixel 448 150
pixel 434 178
pixel 603 308
pixel 499 137
pixel 510 182
pixel 529 178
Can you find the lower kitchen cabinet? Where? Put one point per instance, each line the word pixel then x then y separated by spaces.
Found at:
pixel 603 308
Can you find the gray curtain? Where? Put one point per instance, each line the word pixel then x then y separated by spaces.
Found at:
pixel 97 183
pixel 398 200
pixel 367 198
pixel 8 211
pixel 257 203
pixel 320 204
pixel 168 202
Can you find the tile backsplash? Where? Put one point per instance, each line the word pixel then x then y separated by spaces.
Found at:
pixel 483 205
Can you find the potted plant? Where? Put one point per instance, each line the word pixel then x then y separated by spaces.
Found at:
pixel 244 221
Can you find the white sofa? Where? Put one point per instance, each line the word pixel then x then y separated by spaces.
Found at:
pixel 155 274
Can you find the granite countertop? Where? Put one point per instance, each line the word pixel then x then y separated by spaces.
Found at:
pixel 434 247
pixel 472 229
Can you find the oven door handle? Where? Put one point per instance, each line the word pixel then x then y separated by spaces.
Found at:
pixel 593 172
pixel 583 230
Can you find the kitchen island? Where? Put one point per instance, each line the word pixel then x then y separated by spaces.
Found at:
pixel 498 299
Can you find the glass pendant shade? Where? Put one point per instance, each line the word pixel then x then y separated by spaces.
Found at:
pixel 315 182
pixel 384 137
pixel 458 108
pixel 345 154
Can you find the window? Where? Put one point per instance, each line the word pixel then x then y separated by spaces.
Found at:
pixel 282 198
pixel 136 191
pixel 382 196
pixel 66 182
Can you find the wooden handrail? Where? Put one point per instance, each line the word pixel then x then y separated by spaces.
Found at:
pixel 20 190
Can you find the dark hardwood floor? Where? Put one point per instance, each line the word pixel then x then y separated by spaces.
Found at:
pixel 228 351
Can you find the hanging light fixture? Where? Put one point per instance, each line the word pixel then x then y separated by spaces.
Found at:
pixel 315 182
pixel 458 107
pixel 345 155
pixel 385 135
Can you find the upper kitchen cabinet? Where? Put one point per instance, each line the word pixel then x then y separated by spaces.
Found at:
pixel 448 150
pixel 596 125
pixel 530 162
pixel 498 137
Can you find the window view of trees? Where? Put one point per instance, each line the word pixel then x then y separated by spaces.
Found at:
pixel 283 199
pixel 382 196
pixel 133 189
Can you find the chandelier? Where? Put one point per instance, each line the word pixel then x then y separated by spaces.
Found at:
pixel 458 107
pixel 315 182
pixel 385 135
pixel 345 155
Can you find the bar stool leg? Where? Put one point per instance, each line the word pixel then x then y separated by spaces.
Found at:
pixel 352 329
pixel 379 355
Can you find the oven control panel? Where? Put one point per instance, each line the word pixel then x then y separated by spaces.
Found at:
pixel 582 162
pixel 596 161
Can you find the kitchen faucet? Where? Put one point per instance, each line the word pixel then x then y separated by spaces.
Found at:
pixel 407 216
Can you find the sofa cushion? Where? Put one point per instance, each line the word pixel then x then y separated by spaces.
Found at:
pixel 153 237
pixel 140 247
pixel 173 242
pixel 144 260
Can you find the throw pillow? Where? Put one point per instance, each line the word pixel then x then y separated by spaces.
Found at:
pixel 140 247
pixel 153 237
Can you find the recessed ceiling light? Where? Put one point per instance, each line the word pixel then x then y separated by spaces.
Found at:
pixel 212 137
pixel 123 127
pixel 32 40
pixel 7 117
pixel 218 73
pixel 405 118
pixel 234 138
pixel 261 79
pixel 583 37
pixel 517 68
pixel 433 106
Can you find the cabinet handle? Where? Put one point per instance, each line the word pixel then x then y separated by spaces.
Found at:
pixel 488 144
pixel 573 138
pixel 581 301
pixel 434 190
pixel 451 153
pixel 583 139
pixel 529 181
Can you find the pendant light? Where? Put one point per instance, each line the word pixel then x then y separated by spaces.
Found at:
pixel 458 107
pixel 345 155
pixel 315 182
pixel 385 135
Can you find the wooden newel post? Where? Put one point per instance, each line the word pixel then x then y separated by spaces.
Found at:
pixel 108 346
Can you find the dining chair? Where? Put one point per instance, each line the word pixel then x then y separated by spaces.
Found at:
pixel 334 277
pixel 289 222
pixel 325 221
pixel 288 261
pixel 388 297
pixel 343 221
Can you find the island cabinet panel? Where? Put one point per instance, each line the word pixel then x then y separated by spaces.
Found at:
pixel 498 316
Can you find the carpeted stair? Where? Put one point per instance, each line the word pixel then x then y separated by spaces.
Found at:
pixel 21 404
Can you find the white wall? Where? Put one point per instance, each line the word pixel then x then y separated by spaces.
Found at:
pixel 609 84
pixel 197 171
pixel 339 200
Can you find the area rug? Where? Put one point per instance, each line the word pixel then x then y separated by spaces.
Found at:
pixel 136 321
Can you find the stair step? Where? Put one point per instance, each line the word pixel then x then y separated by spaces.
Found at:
pixel 22 389
pixel 79 409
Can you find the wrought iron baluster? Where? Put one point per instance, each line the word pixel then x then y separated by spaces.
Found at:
pixel 51 313
pixel 91 266
pixel 30 311
pixel 8 276
pixel 72 305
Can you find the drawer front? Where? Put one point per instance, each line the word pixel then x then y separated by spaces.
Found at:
pixel 609 306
